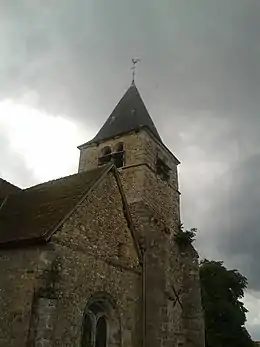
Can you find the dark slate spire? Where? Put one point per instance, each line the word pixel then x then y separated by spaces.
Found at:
pixel 129 114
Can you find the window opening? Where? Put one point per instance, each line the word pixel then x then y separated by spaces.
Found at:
pixel 162 169
pixel 106 156
pixel 101 332
pixel 119 147
pixel 94 327
pixel 119 155
pixel 88 329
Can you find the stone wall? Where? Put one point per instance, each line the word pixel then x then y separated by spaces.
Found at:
pixel 133 145
pixel 85 275
pixel 173 309
pixel 140 147
pixel 99 256
pixel 153 191
pixel 45 290
pixel 139 173
pixel 163 272
pixel 99 226
pixel 23 273
pixel 16 293
pixel 174 314
pixel 193 315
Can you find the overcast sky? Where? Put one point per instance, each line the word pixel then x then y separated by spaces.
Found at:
pixel 65 64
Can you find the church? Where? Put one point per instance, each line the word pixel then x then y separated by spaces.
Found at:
pixel 91 259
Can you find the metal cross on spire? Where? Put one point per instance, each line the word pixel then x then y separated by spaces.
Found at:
pixel 134 61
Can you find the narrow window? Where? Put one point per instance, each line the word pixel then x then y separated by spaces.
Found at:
pixel 95 329
pixel 88 329
pixel 101 332
pixel 119 155
pixel 162 169
pixel 119 147
pixel 105 156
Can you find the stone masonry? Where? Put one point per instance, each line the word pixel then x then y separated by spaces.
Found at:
pixel 91 259
pixel 45 289
pixel 171 276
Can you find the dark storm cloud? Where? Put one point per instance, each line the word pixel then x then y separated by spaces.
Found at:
pixel 199 76
pixel 201 54
pixel 234 219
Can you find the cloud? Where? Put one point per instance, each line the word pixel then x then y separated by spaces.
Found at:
pixel 13 166
pixel 199 55
pixel 233 220
pixel 37 146
pixel 252 302
pixel 200 79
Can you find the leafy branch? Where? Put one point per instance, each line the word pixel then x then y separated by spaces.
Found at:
pixel 185 237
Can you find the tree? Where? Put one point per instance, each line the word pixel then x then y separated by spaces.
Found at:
pixel 185 237
pixel 225 314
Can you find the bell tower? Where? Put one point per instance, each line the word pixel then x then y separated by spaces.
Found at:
pixel 148 171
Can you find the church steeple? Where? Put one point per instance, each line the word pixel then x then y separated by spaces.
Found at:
pixel 130 140
pixel 130 114
pixel 148 174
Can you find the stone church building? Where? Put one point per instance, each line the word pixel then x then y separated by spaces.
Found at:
pixel 91 260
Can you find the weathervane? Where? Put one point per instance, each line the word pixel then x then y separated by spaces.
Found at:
pixel 134 61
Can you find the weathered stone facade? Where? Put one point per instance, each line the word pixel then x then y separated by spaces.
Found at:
pixel 45 290
pixel 109 272
pixel 139 172
pixel 173 314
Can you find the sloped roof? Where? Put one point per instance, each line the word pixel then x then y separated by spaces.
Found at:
pixel 129 114
pixel 7 188
pixel 33 213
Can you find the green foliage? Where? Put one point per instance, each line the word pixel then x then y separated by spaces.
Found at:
pixel 225 314
pixel 185 237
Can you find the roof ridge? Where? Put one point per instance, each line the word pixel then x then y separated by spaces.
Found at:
pixel 2 180
pixel 61 178
pixel 84 194
pixel 39 211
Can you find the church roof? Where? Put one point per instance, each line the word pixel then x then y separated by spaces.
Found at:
pixel 34 213
pixel 129 114
pixel 7 188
